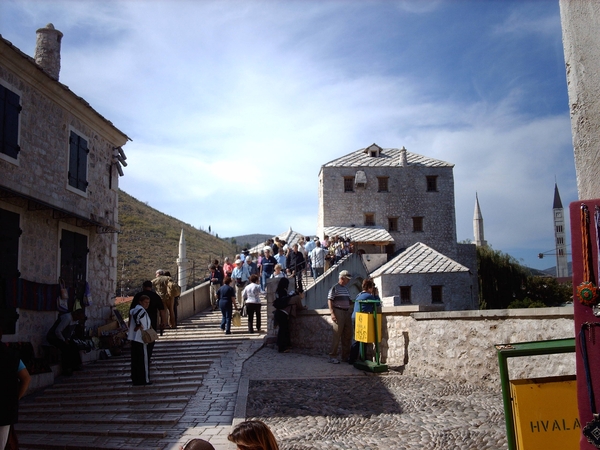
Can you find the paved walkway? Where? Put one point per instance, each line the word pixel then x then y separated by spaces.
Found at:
pixel 205 382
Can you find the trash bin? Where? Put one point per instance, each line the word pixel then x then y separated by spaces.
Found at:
pixel 368 330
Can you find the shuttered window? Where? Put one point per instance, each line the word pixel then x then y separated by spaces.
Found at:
pixel 10 108
pixel 405 295
pixel 73 257
pixel 436 294
pixel 78 153
pixel 10 233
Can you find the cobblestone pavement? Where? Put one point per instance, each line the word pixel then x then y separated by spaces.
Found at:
pixel 205 382
pixel 311 404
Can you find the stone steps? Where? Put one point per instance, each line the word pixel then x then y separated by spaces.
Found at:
pixel 98 408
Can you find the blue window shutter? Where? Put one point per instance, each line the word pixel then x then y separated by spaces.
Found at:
pixel 10 109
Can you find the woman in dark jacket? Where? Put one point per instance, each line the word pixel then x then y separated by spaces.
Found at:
pixel 226 296
pixel 286 304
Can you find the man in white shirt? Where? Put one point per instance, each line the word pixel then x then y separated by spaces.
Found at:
pixel 317 260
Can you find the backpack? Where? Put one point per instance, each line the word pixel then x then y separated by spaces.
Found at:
pixel 281 302
pixel 173 289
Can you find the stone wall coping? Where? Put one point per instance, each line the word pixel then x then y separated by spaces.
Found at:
pixel 521 313
pixel 432 312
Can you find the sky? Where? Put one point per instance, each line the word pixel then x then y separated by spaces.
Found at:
pixel 232 107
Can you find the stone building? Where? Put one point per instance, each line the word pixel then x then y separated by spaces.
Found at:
pixel 60 164
pixel 421 276
pixel 409 195
pixel 397 199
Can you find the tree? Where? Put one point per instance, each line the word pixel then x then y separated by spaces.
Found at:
pixel 504 283
pixel 501 278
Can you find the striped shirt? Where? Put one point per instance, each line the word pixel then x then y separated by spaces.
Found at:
pixel 339 296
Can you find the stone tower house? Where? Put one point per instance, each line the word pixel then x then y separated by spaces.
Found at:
pixel 409 195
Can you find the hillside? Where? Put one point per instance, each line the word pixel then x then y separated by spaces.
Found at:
pixel 249 240
pixel 149 240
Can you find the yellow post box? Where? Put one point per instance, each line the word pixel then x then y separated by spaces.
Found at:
pixel 545 412
pixel 365 327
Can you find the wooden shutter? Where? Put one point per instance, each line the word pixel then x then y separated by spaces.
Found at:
pixel 78 151
pixel 73 257
pixel 10 109
pixel 9 265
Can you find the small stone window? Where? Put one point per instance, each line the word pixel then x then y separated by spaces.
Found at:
pixel 382 184
pixel 436 294
pixel 559 229
pixel 392 224
pixel 348 184
pixel 432 183
pixel 405 297
pixel 417 224
pixel 373 150
pixel 369 219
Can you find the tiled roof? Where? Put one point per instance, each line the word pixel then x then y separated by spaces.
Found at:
pixel 290 237
pixel 361 234
pixel 419 258
pixel 388 157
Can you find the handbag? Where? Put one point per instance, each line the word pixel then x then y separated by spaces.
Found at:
pixel 236 319
pixel 149 335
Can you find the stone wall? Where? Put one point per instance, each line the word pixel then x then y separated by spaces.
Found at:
pixel 456 287
pixel 581 42
pixel 455 345
pixel 42 165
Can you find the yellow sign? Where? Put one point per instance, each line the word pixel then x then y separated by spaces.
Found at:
pixel 365 327
pixel 545 411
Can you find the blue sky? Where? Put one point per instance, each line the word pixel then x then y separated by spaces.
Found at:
pixel 233 107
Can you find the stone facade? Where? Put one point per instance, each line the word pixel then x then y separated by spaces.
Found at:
pixel 455 345
pixel 455 287
pixel 36 185
pixel 408 196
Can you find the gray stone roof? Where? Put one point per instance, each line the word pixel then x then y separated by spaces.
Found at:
pixel 373 234
pixel 419 258
pixel 290 237
pixel 388 157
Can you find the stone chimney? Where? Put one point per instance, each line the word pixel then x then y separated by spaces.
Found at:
pixel 403 160
pixel 47 50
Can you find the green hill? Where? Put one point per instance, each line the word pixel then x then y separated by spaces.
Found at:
pixel 149 240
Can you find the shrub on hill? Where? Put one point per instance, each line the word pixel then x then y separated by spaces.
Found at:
pixel 149 240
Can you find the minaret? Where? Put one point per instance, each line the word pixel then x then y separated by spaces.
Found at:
pixel 478 225
pixel 182 263
pixel 562 268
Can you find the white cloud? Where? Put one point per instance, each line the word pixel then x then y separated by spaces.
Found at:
pixel 234 106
